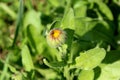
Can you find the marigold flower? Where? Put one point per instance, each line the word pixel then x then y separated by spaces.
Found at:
pixel 56 37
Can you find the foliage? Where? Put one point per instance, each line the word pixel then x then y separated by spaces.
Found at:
pixel 91 50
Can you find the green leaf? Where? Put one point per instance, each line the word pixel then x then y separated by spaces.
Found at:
pixel 94 30
pixel 12 69
pixel 105 10
pixel 68 20
pixel 54 64
pixel 86 75
pixel 27 59
pixel 78 46
pixel 110 71
pixel 105 27
pixel 90 59
pixel 80 9
pixel 32 18
pixel 35 39
pixel 48 73
pixel 55 3
pixel 84 25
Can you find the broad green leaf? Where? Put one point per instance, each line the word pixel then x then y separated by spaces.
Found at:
pixel 48 73
pixel 90 59
pixel 27 59
pixel 105 10
pixel 110 71
pixel 35 39
pixel 84 25
pixel 32 18
pixel 55 3
pixel 102 29
pixel 68 20
pixel 105 28
pixel 86 75
pixel 95 30
pixel 80 9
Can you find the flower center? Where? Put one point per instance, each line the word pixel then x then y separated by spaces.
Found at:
pixel 56 33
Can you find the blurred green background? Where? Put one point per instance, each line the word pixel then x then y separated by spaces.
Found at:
pixel 25 54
